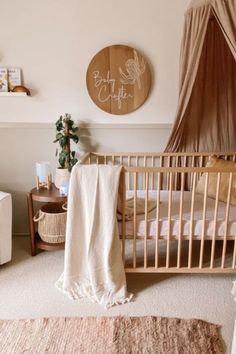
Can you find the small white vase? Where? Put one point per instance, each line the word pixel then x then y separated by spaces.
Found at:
pixel 62 176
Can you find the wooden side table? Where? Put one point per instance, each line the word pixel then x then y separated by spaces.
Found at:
pixel 48 196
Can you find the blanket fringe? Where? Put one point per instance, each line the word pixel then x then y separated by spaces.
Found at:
pixel 77 290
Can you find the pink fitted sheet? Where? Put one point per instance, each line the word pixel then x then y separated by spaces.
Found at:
pixel 199 227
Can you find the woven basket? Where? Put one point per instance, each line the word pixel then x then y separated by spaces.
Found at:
pixel 51 220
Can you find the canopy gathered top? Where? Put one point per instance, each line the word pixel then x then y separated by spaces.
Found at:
pixel 206 112
pixel 200 3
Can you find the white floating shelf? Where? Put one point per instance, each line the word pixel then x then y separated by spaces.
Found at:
pixel 13 94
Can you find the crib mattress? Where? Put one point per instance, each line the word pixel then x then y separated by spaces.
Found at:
pixel 164 225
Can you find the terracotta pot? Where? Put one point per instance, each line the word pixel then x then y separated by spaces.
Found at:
pixel 21 89
pixel 62 176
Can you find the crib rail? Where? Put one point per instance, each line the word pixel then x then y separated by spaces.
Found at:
pixel 212 249
pixel 153 160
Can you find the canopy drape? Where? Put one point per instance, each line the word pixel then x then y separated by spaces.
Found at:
pixel 206 112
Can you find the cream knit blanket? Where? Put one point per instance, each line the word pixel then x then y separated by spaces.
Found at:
pixel 93 265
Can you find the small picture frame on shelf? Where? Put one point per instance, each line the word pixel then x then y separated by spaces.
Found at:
pixel 14 78
pixel 3 80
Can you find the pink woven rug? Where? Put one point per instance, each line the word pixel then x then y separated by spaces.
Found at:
pixel 113 335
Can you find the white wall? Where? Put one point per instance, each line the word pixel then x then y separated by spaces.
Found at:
pixel 21 145
pixel 53 42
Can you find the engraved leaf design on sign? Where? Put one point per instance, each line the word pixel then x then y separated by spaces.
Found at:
pixel 134 70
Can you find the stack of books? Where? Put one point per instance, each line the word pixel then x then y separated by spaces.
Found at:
pixel 9 78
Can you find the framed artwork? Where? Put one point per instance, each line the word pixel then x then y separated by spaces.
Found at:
pixel 118 79
pixel 3 80
pixel 14 78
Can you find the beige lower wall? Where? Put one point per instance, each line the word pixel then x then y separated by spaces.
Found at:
pixel 21 145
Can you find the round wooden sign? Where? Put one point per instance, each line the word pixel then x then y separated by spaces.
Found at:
pixel 118 79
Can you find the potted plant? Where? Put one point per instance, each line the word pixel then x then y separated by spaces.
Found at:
pixel 66 131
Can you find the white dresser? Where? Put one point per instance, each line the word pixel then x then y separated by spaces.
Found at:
pixel 5 227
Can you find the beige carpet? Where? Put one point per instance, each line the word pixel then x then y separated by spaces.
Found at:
pixel 111 335
pixel 27 290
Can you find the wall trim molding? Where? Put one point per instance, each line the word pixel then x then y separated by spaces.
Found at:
pixel 126 126
pixel 18 125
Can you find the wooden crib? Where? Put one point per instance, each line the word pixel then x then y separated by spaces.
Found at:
pixel 199 232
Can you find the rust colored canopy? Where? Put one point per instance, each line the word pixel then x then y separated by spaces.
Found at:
pixel 206 113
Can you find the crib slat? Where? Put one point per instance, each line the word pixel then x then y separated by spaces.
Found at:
pixel 201 161
pixel 140 175
pixel 192 165
pixel 161 177
pixel 144 176
pixel 146 218
pixel 135 221
pixel 200 165
pixel 191 222
pixel 169 221
pixel 176 174
pixel 215 220
pixel 180 220
pixel 226 220
pixel 185 160
pixel 203 220
pixel 128 173
pixel 152 175
pixel 168 177
pixel 123 195
pixel 157 220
